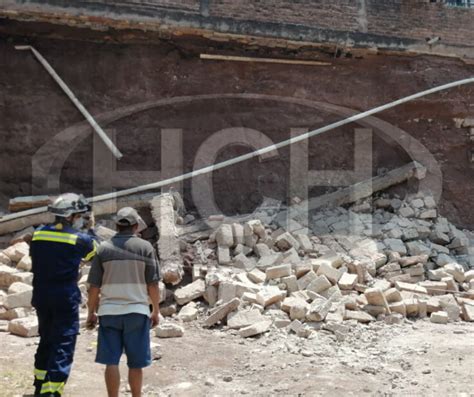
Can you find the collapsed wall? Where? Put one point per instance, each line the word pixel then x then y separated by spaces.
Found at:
pixel 379 259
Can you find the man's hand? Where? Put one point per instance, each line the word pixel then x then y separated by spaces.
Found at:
pixel 91 321
pixel 155 318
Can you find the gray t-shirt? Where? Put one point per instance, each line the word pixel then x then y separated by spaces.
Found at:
pixel 122 269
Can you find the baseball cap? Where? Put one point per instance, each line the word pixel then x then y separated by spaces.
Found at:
pixel 129 216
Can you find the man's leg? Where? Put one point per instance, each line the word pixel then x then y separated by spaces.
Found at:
pixel 112 380
pixel 135 380
pixel 64 329
pixel 109 350
pixel 43 351
pixel 137 348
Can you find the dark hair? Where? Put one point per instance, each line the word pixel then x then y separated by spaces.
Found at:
pixel 62 220
pixel 125 228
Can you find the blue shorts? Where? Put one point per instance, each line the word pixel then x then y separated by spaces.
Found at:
pixel 129 333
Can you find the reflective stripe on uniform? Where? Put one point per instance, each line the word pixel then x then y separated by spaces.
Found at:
pixel 91 254
pixel 56 237
pixel 40 374
pixel 52 387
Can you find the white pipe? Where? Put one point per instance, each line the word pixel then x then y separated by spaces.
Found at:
pixel 256 153
pixel 74 100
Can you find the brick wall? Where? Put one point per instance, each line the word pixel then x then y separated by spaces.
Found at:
pixel 400 18
pixel 337 15
pixel 394 24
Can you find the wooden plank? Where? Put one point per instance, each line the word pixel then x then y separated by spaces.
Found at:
pixel 21 220
pixel 263 60
pixel 27 202
pixel 368 187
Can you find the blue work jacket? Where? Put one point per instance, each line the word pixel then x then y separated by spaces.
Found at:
pixel 56 253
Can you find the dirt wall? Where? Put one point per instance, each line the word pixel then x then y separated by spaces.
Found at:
pixel 119 78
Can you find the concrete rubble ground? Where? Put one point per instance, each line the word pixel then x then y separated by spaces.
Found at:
pixel 381 259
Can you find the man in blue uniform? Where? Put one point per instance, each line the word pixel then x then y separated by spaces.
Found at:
pixel 56 252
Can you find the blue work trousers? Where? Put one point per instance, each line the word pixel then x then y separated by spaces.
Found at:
pixel 58 330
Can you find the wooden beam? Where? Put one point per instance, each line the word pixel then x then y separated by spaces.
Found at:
pixel 368 187
pixel 263 60
pixel 21 220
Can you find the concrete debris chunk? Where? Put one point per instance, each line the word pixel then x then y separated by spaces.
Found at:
pixel 19 312
pixel 393 295
pixel 439 317
pixel 291 283
pixel 434 287
pixel 227 291
pixel 238 234
pixel 456 271
pixel 221 312
pixel 169 330
pixel 223 255
pixel 332 259
pixel 319 309
pixel 269 261
pixel 257 276
pixel 188 312
pixel 468 310
pixel 24 264
pixel 332 274
pixel 262 250
pixel 255 329
pixel 5 260
pixel 17 251
pixel 410 287
pixel 347 281
pixel 241 319
pixel 319 284
pixel 413 260
pixel 242 262
pixel 250 239
pixel 286 241
pixel 278 271
pixel 26 327
pixel 305 243
pixel 190 292
pixel 398 307
pixel 19 295
pixel 361 317
pixel 269 295
pixel 396 245
pixel 411 306
pixel 376 297
pixel 224 236
pixel 449 304
pixel 305 280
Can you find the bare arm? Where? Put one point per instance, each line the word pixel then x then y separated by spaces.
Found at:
pixel 92 305
pixel 154 294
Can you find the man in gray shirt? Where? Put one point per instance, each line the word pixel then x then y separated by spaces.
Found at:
pixel 123 279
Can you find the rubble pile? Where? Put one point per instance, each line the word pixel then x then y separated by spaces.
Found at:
pixel 16 314
pixel 382 259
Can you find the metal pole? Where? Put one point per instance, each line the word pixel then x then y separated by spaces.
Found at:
pixel 74 100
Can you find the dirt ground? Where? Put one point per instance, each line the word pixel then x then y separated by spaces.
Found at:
pixel 412 359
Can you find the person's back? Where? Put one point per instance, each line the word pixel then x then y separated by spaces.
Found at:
pixel 125 274
pixel 127 265
pixel 56 252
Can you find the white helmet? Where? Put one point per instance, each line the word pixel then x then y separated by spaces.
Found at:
pixel 68 204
